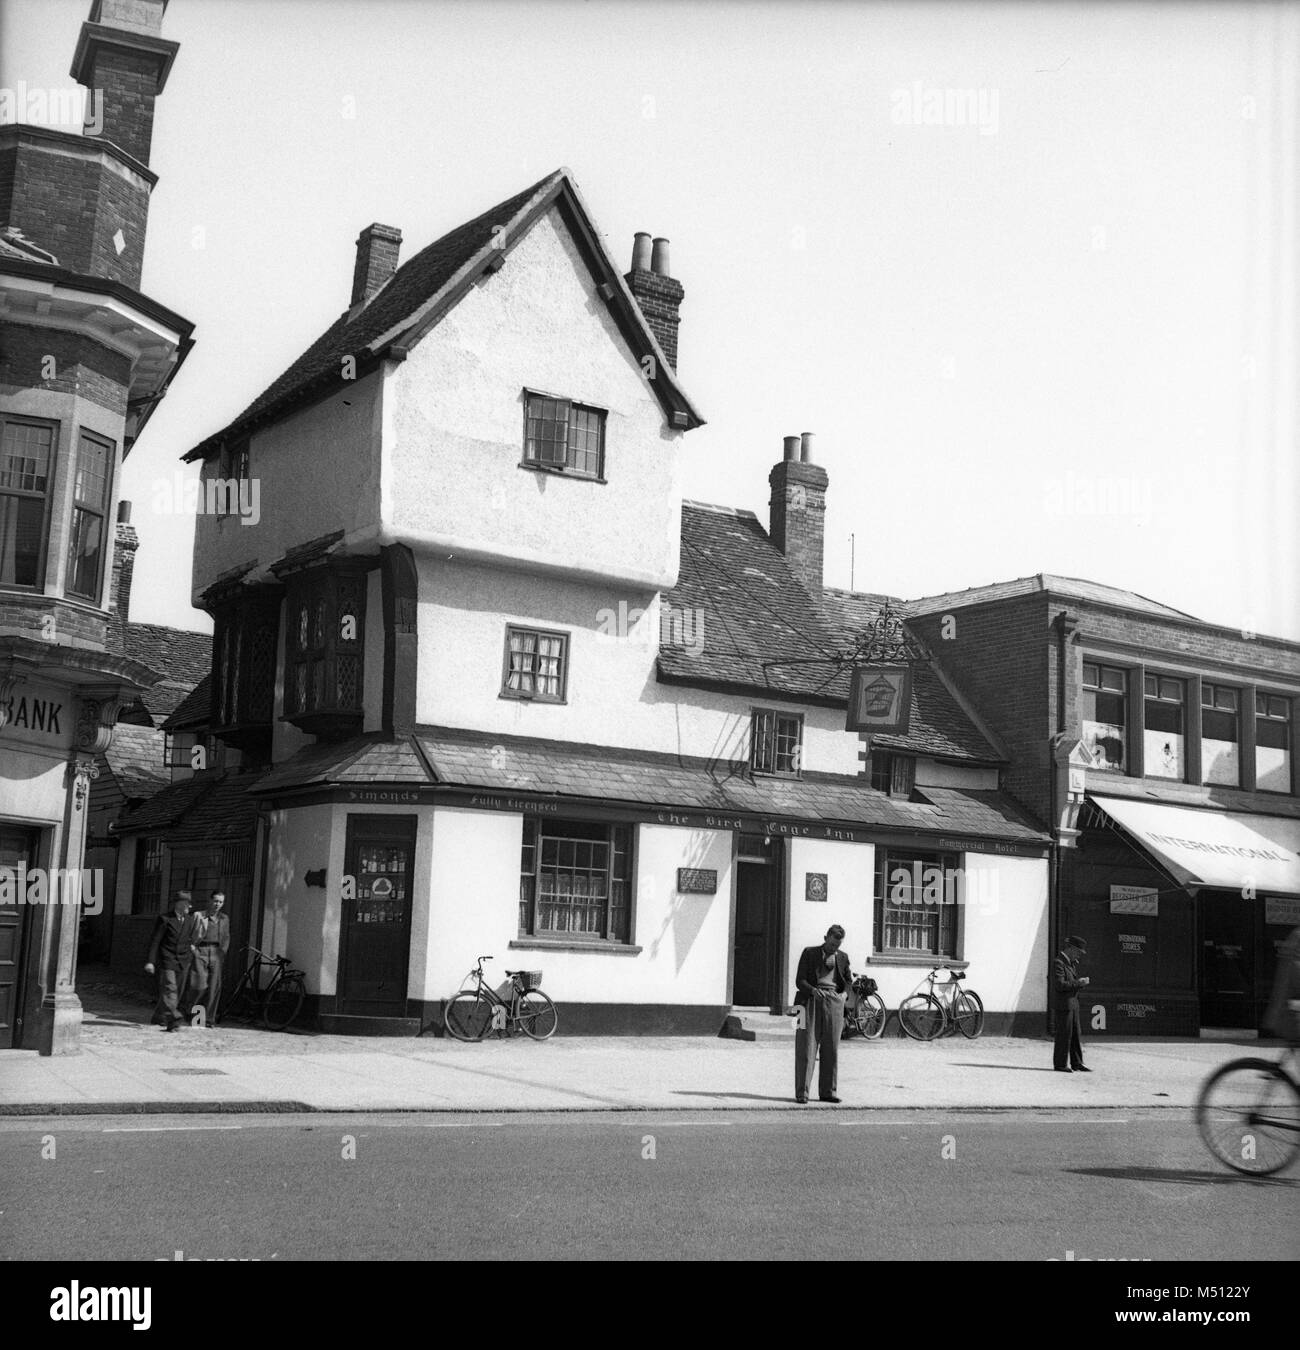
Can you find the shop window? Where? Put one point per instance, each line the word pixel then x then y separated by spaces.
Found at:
pixel 1272 743
pixel 1220 734
pixel 26 474
pixel 575 880
pixel 536 665
pixel 917 897
pixel 1103 715
pixel 777 743
pixel 1165 728
pixel 563 436
pixel 90 502
pixel 324 651
pixel 147 898
pixel 893 774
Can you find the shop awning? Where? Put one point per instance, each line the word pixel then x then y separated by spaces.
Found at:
pixel 1226 850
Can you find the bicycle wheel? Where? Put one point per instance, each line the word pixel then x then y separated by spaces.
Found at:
pixel 872 1016
pixel 921 1016
pixel 467 1017
pixel 968 1013
pixel 282 1002
pixel 1248 1114
pixel 537 1016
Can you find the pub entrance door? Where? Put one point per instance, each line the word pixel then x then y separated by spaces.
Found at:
pixel 756 977
pixel 1227 971
pixel 375 941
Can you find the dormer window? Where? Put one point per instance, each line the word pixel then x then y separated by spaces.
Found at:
pixel 90 501
pixel 26 473
pixel 563 437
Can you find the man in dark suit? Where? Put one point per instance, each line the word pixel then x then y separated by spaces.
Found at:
pixel 169 957
pixel 1067 1055
pixel 211 939
pixel 822 981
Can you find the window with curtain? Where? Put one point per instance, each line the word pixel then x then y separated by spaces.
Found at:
pixel 575 879
pixel 916 903
pixel 536 665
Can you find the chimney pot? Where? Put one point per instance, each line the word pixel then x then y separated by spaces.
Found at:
pixel 658 295
pixel 791 447
pixel 805 447
pixel 798 511
pixel 659 264
pixel 378 247
pixel 124 513
pixel 641 252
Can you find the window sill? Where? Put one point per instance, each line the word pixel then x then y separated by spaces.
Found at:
pixel 928 962
pixel 536 944
pixel 532 698
pixel 561 472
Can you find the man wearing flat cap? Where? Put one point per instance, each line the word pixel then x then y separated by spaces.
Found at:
pixel 1067 1056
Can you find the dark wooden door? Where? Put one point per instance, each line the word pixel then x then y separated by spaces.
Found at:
pixel 754 887
pixel 376 936
pixel 16 847
pixel 1227 960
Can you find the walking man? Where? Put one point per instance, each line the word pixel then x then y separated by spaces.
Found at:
pixel 1067 1055
pixel 822 980
pixel 211 938
pixel 169 958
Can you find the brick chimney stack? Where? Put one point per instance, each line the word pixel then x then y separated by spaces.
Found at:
pixel 123 62
pixel 125 545
pixel 798 510
pixel 658 294
pixel 378 247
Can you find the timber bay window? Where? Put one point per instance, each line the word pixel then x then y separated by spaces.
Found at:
pixel 575 880
pixel 536 665
pixel 1164 728
pixel 324 650
pixel 26 474
pixel 1220 734
pixel 1104 718
pixel 1272 743
pixel 917 899
pixel 776 744
pixel 243 669
pixel 90 499
pixel 563 436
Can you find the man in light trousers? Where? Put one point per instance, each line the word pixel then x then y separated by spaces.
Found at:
pixel 822 981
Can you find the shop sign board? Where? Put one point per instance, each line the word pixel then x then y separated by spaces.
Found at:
pixel 1134 900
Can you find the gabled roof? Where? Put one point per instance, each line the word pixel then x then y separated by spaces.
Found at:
pixel 1042 583
pixel 740 620
pixel 194 710
pixel 423 289
pixel 184 657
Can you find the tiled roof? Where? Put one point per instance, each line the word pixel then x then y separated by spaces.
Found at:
pixel 1041 583
pixel 227 812
pixel 737 594
pixel 411 287
pixel 184 657
pixel 194 710
pixel 364 759
pixel 165 808
pixel 135 758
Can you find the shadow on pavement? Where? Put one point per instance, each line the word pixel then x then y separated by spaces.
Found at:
pixel 736 1096
pixel 1017 1068
pixel 1181 1176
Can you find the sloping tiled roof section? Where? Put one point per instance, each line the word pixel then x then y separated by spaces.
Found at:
pixel 194 710
pixel 165 808
pixel 737 609
pixel 184 658
pixel 227 812
pixel 938 724
pixel 364 759
pixel 135 757
pixel 1072 587
pixel 597 773
pixel 411 287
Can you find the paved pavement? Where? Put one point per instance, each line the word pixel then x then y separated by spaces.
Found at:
pixel 126 1065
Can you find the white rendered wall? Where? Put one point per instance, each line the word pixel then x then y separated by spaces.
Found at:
pixel 849 872
pixel 1006 931
pixel 931 773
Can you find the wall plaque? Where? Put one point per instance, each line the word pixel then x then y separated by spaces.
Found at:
pixel 697 880
pixel 816 885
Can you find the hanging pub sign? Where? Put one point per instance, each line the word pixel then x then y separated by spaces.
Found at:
pixel 880 699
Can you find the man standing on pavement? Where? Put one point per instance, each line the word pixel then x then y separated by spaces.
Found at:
pixel 169 957
pixel 822 980
pixel 211 938
pixel 1067 1055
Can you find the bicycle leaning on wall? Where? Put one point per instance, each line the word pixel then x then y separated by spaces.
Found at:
pixel 946 1006
pixel 472 1013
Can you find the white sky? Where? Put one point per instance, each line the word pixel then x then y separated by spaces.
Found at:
pixel 1063 342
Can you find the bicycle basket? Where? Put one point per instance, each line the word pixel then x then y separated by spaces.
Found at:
pixel 864 985
pixel 528 979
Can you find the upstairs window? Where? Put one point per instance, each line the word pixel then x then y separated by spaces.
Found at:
pixel 536 665
pixel 564 436
pixel 1220 735
pixel 1272 743
pixel 94 477
pixel 232 470
pixel 26 472
pixel 1105 721
pixel 243 669
pixel 893 774
pixel 777 743
pixel 323 650
pixel 189 750
pixel 1164 727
